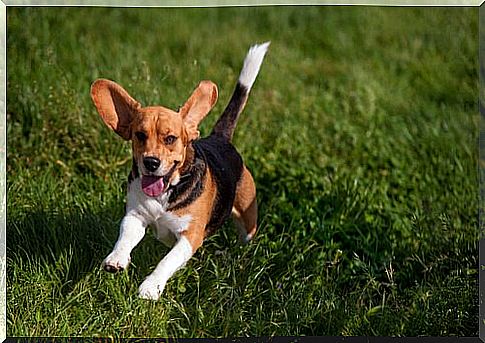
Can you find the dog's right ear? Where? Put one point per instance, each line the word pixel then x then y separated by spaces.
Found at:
pixel 115 106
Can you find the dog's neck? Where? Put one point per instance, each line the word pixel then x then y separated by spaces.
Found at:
pixel 191 181
pixel 188 160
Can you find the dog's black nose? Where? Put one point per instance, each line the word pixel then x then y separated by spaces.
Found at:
pixel 151 163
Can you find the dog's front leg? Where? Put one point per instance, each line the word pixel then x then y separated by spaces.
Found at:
pixel 132 230
pixel 181 252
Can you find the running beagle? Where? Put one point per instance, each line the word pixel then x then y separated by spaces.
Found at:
pixel 184 186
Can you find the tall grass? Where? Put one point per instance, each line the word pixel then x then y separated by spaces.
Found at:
pixel 361 133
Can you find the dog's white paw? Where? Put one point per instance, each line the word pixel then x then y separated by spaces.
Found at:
pixel 150 289
pixel 115 262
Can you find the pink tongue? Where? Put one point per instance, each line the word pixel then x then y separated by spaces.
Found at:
pixel 152 185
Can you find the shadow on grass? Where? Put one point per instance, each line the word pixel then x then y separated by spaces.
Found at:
pixel 72 242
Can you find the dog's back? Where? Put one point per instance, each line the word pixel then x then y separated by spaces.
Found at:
pixel 226 167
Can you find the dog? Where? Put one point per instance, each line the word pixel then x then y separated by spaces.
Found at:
pixel 184 186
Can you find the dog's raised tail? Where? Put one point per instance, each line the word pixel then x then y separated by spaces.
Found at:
pixel 226 124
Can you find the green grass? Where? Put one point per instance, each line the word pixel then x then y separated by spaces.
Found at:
pixel 361 133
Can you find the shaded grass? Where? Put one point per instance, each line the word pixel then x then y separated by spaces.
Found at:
pixel 361 134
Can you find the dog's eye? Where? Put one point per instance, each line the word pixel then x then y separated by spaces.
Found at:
pixel 141 136
pixel 169 140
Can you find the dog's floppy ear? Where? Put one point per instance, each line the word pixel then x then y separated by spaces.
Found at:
pixel 114 105
pixel 198 106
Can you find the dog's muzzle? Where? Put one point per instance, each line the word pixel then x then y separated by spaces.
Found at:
pixel 151 163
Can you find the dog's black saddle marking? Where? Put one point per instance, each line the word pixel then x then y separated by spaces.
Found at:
pixel 190 186
pixel 226 166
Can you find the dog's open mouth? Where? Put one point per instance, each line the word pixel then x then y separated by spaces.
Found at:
pixel 152 185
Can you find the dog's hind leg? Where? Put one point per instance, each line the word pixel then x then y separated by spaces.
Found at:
pixel 245 207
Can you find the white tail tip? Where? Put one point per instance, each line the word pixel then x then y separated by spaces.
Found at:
pixel 252 63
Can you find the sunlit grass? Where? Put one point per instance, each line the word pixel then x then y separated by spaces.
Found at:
pixel 361 133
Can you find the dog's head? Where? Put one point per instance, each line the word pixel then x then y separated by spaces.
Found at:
pixel 159 135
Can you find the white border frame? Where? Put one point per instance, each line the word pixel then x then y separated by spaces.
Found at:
pixel 230 3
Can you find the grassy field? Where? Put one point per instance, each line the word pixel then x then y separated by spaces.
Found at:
pixel 361 133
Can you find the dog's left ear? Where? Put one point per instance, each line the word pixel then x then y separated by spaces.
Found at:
pixel 198 106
